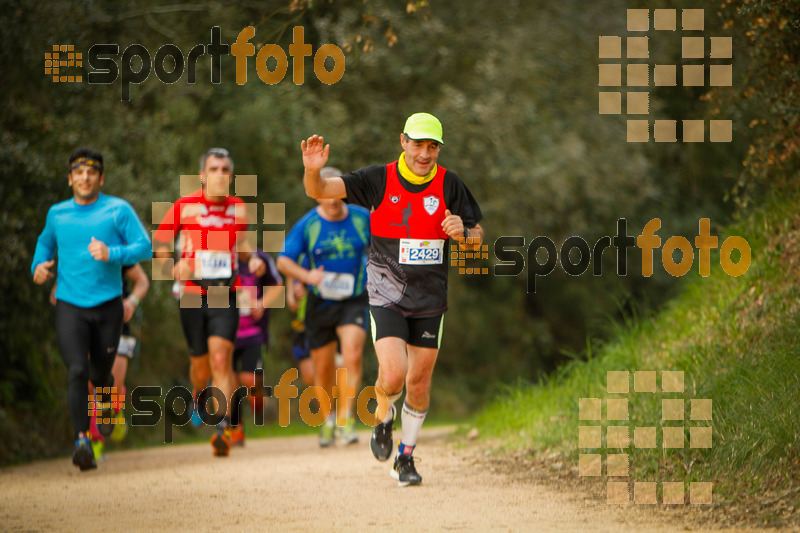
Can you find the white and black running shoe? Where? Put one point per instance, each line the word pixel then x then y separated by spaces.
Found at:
pixel 381 442
pixel 404 471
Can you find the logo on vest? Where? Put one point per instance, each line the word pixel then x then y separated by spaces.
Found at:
pixel 431 204
pixel 394 199
pixel 406 215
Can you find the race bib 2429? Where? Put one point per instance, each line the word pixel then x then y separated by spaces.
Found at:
pixel 421 251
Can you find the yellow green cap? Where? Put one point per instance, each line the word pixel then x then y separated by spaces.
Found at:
pixel 421 126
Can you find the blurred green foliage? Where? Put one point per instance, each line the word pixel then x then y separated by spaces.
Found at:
pixel 516 88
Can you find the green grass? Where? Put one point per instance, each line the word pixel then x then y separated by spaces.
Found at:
pixel 735 339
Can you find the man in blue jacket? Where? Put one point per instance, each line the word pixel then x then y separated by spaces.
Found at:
pixel 94 235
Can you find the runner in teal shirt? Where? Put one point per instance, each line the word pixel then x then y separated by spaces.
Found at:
pixel 94 235
pixel 70 229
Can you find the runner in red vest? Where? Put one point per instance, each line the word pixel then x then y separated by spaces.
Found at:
pixel 417 205
pixel 211 225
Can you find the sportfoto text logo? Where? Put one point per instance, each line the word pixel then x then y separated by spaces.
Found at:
pixel 705 62
pixel 148 411
pixel 170 63
pixel 680 418
pixel 575 253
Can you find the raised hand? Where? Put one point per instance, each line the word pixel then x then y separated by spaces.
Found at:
pixel 315 152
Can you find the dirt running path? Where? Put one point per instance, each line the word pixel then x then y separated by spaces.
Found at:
pixel 290 484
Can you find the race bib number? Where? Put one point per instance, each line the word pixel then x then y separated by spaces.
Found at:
pixel 336 286
pixel 421 251
pixel 126 346
pixel 215 265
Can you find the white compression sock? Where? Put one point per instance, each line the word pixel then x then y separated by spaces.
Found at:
pixel 412 423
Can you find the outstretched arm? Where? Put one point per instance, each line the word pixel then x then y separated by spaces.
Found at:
pixel 315 155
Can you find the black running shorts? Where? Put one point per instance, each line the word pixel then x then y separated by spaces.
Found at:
pixel 94 331
pixel 201 323
pixel 247 358
pixel 324 316
pixel 423 332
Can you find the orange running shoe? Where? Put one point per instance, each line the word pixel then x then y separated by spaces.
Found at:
pixel 237 436
pixel 221 442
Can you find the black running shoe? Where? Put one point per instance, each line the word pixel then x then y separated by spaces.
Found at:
pixel 83 456
pixel 106 429
pixel 404 472
pixel 381 442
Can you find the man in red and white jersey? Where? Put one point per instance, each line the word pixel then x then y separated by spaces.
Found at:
pixel 417 205
pixel 211 226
